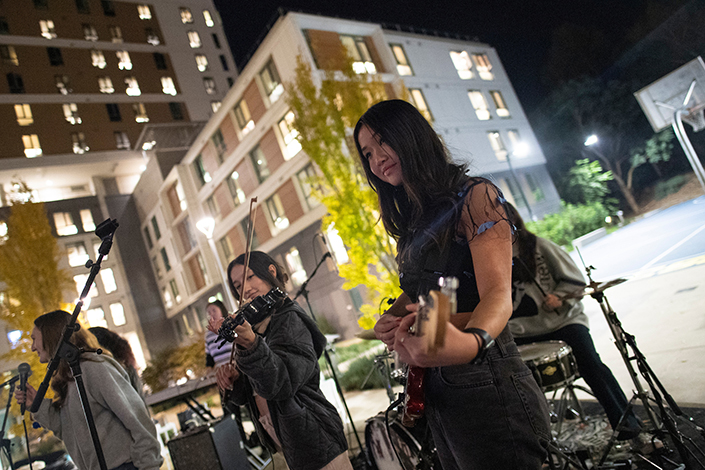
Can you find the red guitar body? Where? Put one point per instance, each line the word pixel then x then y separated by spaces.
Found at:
pixel 413 395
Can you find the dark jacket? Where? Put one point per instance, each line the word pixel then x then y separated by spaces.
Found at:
pixel 282 367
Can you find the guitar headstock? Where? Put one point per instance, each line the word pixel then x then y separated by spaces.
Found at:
pixel 434 313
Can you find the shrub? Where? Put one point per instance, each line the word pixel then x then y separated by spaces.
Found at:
pixel 670 186
pixel 573 221
pixel 359 371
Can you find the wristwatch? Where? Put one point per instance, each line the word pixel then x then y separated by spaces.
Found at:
pixel 486 342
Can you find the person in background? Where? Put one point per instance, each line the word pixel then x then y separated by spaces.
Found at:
pixel 122 352
pixel 125 430
pixel 217 351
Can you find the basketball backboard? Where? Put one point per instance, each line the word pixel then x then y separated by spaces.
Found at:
pixel 667 94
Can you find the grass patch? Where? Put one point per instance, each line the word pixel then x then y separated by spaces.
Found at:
pixel 361 369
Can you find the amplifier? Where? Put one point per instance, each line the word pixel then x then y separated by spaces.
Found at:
pixel 210 447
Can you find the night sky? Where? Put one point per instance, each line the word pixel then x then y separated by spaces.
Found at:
pixel 520 30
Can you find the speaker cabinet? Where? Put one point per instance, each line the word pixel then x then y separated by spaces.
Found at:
pixel 210 447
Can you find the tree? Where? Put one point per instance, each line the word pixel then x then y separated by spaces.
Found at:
pixel 587 183
pixel 326 109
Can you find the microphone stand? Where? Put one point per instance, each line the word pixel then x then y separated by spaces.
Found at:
pixel 6 442
pixel 72 354
pixel 303 290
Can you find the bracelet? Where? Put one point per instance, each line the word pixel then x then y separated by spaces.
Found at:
pixel 484 340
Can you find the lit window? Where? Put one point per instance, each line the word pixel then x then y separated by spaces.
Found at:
pixel 201 62
pixel 78 256
pixel 96 251
pixel 295 266
pixel 71 113
pixel 271 82
pixel 209 84
pixel 89 32
pixel 63 84
pixel 194 39
pixel 499 103
pixel 236 191
pixel 168 87
pixel 108 278
pixel 79 143
pixel 259 162
pixel 243 118
pixel 87 220
pixel 31 145
pixel 208 18
pixel 290 134
pixel 340 253
pixel 186 16
pixel 201 173
pixel 47 28
pixel 168 302
pixel 122 142
pixel 520 148
pixel 181 196
pixel 3 238
pixel 106 85
pixel 144 12
pixel 462 63
pixel 152 37
pixel 497 145
pixel 9 55
pixel 24 114
pixel 63 221
pixel 115 34
pixel 117 312
pixel 276 214
pixel 484 67
pixel 96 317
pixel 80 280
pixel 215 106
pixel 14 337
pixel 140 112
pixel 98 59
pixel 133 88
pixel 403 67
pixel 418 100
pixel 358 52
pixel 480 104
pixel 306 178
pixel 175 291
pixel 124 62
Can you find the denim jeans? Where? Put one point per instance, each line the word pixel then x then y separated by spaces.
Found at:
pixel 489 415
pixel 597 375
pixel 125 466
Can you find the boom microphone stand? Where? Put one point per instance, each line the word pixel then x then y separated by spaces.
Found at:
pixel 6 442
pixel 72 354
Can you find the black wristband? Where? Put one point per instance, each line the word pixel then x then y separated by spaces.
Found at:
pixel 486 342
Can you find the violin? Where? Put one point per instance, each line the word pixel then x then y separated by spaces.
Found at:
pixel 254 312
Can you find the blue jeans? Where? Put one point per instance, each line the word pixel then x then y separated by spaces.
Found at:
pixel 489 415
pixel 597 375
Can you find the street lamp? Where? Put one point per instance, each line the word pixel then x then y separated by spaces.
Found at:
pixel 207 226
pixel 591 140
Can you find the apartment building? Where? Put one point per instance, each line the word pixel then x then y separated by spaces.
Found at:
pixel 248 149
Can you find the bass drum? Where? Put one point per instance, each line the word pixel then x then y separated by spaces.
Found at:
pixel 413 445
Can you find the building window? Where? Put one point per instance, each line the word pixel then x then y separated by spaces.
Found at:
pixel 305 177
pixel 168 302
pixel 9 55
pixel 194 40
pixel 96 251
pixel 41 4
pixel 89 32
pixel 159 61
pixel 144 12
pixel 418 100
pixel 243 118
pixel 78 256
pixel 31 145
pixel 165 259
pixel 108 278
pixel 208 18
pixel 216 41
pixel 79 143
pixel 201 62
pixel 519 148
pixel 55 57
pixel 80 280
pixel 226 247
pixel 24 114
pixel 513 194
pixel 224 63
pixel 244 227
pixel 403 67
pixel 108 7
pixel 484 67
pixel 213 208
pixel 276 213
pixel 295 266
pixel 115 34
pixel 534 187
pixel 132 87
pixel 83 7
pixel 271 82
pixel 63 84
pixel 358 52
pixel 47 28
pixel 14 81
pixel 175 293
pixel 63 221
pixel 148 237
pixel 289 134
pixel 219 143
pixel 98 59
pixel 140 112
pixel 202 175
pixel 168 87
pixel 96 317
pixel 4 26
pixel 176 112
pixel 106 85
pixel 215 105
pixel 122 142
pixel 71 113
pixel 259 162
pixel 497 144
pixel 124 62
pixel 230 81
pixel 499 104
pixel 209 84
pixel 155 227
pixel 113 112
pixel 186 16
pixel 152 37
pixel 236 192
pixel 462 63
pixel 117 313
pixel 480 104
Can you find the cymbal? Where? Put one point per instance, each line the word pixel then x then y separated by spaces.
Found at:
pixel 366 334
pixel 593 288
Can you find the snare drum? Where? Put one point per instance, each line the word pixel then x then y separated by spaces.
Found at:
pixel 380 448
pixel 552 363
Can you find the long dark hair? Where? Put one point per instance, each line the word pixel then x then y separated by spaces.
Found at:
pixel 259 264
pixel 525 267
pixel 430 181
pixel 116 344
pixel 220 305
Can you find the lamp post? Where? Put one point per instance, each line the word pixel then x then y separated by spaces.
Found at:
pixel 207 226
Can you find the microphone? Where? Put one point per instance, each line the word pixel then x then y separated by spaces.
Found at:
pixel 25 371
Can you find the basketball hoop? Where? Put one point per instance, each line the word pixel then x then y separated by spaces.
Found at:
pixel 695 117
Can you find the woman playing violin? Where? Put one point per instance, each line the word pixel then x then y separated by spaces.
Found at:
pixel 277 374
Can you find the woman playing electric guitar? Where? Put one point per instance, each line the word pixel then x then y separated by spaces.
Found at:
pixel 482 404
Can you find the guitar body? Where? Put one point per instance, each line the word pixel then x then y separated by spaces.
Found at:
pixel 413 396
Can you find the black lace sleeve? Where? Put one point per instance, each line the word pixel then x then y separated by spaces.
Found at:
pixel 483 208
